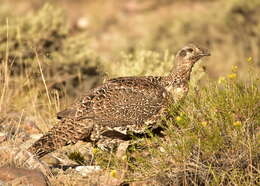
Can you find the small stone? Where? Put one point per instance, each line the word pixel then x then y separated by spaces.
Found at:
pixel 82 23
pixel 85 170
pixel 36 136
pixel 51 160
pixel 121 150
pixel 162 149
pixel 26 159
pixel 21 176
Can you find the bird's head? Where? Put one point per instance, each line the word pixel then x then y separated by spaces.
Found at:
pixel 191 53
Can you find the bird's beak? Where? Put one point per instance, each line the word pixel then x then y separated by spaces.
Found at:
pixel 204 52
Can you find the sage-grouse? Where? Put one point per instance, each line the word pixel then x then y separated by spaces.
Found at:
pixel 121 105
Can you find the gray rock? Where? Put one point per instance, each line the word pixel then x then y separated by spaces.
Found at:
pixel 19 176
pixel 85 170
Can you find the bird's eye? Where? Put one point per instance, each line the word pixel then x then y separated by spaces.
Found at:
pixel 189 50
pixel 183 53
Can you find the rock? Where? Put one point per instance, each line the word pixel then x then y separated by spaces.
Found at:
pixel 162 149
pixel 59 160
pixel 85 170
pixel 19 176
pixel 22 158
pixel 82 23
pixel 51 160
pixel 36 136
pixel 121 150
pixel 26 159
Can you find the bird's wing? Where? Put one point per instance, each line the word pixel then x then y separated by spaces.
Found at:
pixel 153 79
pixel 120 102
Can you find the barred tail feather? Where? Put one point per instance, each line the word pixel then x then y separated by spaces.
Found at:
pixel 68 131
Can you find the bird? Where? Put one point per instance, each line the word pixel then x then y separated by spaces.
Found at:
pixel 121 105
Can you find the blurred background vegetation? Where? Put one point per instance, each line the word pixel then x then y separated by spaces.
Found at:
pixel 63 47
pixel 60 48
pixel 77 36
pixel 51 51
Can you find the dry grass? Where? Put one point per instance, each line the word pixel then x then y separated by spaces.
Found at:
pixel 212 138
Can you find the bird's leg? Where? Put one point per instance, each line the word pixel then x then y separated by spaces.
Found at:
pixel 108 144
pixel 113 145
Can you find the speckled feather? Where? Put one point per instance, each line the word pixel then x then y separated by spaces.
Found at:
pixel 121 105
pixel 120 102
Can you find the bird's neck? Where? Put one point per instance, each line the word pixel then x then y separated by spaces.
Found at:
pixel 180 75
pixel 177 82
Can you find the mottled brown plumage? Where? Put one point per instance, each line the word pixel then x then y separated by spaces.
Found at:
pixel 121 105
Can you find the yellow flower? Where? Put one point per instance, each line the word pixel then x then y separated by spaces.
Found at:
pixel 250 60
pixel 204 123
pixel 221 80
pixel 237 124
pixel 94 150
pixel 178 118
pixel 113 173
pixel 124 158
pixel 234 68
pixel 232 76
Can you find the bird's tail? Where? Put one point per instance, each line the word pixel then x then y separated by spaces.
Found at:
pixel 66 132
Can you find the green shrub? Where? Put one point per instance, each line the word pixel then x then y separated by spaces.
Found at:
pixel 212 138
pixel 65 59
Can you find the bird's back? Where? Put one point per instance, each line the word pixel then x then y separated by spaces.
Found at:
pixel 120 102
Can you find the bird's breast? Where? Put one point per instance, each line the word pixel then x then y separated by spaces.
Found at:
pixel 177 93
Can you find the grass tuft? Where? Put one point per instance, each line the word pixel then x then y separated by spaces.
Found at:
pixel 212 138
